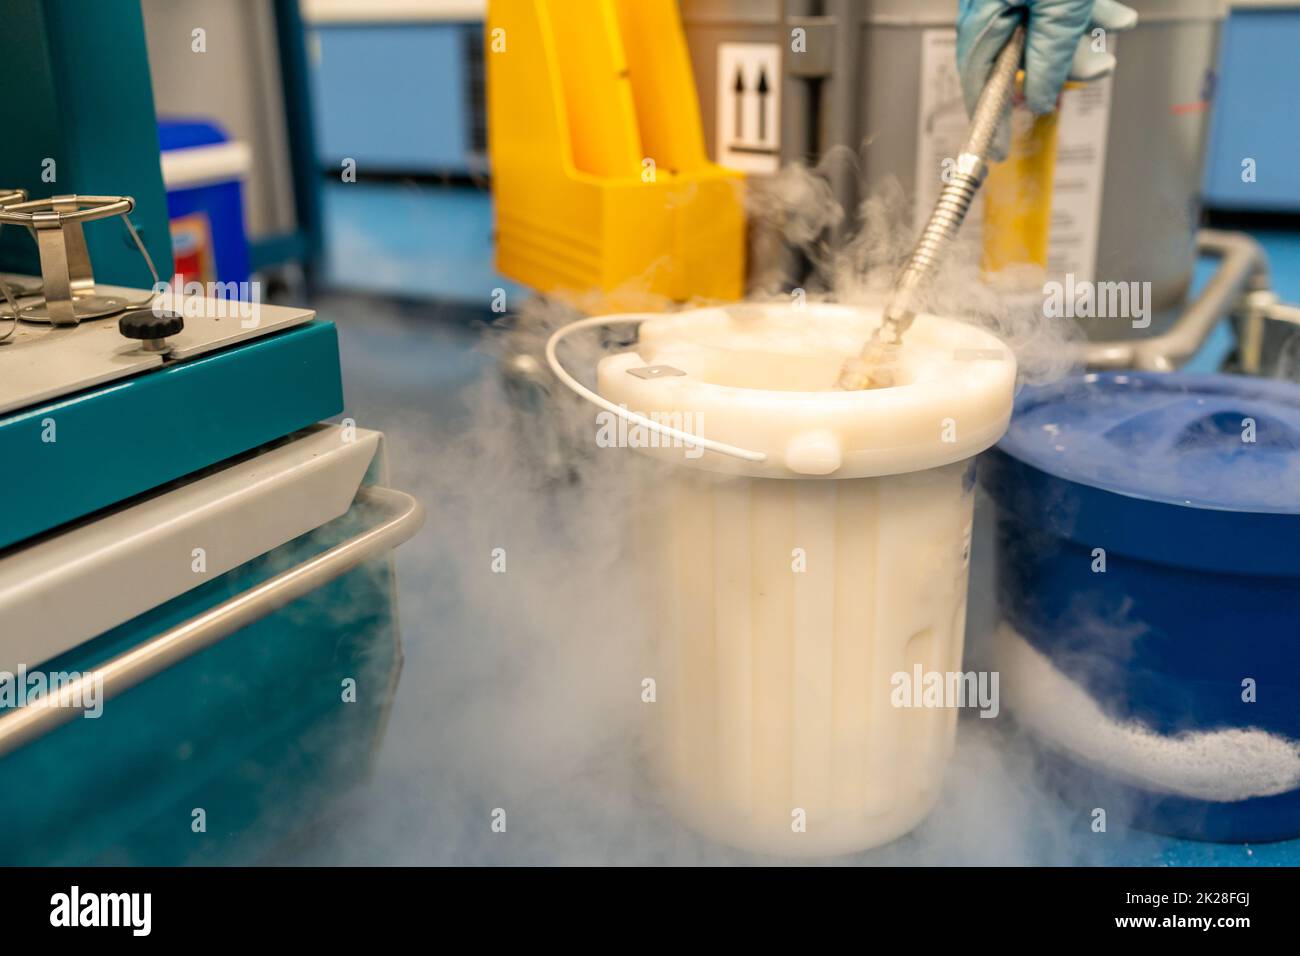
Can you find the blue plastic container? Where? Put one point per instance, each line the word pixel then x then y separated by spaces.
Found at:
pixel 205 205
pixel 1200 527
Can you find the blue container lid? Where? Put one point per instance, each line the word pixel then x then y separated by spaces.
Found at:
pixel 1194 470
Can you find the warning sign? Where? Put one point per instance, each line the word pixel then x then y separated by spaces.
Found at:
pixel 749 106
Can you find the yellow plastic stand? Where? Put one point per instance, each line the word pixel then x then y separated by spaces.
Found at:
pixel 599 173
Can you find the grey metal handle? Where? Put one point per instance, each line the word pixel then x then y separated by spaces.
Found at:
pixel 1244 268
pixel 404 517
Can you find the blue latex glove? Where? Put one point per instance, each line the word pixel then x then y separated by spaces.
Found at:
pixel 1058 46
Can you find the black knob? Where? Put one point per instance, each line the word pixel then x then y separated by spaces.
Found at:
pixel 150 325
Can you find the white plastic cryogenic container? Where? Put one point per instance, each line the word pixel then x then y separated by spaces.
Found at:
pixel 815 547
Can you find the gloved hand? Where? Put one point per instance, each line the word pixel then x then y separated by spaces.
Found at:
pixel 1058 46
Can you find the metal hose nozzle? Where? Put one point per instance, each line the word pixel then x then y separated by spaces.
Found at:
pixel 949 211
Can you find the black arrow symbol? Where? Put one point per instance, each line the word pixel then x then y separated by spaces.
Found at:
pixel 762 104
pixel 740 104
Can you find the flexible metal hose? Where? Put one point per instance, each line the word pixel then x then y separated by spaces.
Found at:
pixel 949 211
pixel 959 192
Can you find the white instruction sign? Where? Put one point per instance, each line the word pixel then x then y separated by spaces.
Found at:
pixel 1077 184
pixel 940 127
pixel 1080 156
pixel 748 131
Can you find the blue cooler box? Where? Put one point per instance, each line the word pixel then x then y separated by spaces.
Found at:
pixel 1149 587
pixel 203 172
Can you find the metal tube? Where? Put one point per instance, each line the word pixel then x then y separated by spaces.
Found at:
pixel 1283 312
pixel 1244 268
pixel 130 668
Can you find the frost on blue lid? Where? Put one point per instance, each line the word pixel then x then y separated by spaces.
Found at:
pixel 1210 441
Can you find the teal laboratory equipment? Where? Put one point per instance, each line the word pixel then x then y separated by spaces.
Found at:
pixel 194 558
pixel 198 643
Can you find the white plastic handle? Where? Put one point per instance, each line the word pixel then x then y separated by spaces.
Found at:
pixel 691 440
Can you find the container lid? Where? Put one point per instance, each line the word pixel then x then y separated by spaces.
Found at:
pixel 1190 469
pixel 762 377
pixel 198 153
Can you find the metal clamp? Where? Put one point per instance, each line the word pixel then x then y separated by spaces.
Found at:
pixel 404 517
pixel 66 274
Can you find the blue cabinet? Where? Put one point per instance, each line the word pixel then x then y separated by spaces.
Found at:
pixel 398 98
pixel 1255 116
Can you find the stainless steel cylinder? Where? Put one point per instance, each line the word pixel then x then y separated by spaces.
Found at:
pixel 858 85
